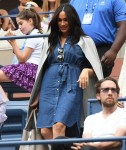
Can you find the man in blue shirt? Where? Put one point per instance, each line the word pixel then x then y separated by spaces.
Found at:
pixel 105 22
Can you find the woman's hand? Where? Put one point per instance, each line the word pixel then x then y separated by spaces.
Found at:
pixel 84 78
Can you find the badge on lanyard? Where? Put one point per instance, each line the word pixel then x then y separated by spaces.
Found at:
pixel 87 19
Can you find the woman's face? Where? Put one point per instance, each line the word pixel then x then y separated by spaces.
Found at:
pixel 63 23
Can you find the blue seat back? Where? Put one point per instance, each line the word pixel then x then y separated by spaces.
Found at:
pixel 16 112
pixel 94 106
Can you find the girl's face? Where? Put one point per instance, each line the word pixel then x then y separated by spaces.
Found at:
pixel 63 23
pixel 25 26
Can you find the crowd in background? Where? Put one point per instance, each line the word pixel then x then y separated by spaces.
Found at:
pixel 39 6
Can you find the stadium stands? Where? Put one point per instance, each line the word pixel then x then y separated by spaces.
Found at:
pixel 13 126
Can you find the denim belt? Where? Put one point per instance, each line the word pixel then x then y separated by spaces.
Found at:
pixel 64 71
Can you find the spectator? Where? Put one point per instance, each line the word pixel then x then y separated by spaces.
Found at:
pixel 105 22
pixel 24 73
pixel 110 122
pixel 17 10
pixel 48 6
pixel 31 4
pixel 28 5
pixel 3 116
pixel 5 22
pixel 3 100
pixel 67 70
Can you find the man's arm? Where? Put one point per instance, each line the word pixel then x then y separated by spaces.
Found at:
pixel 121 131
pixel 101 145
pixel 110 56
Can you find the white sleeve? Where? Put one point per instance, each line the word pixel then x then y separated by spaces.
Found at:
pixel 122 121
pixel 31 43
pixel 88 125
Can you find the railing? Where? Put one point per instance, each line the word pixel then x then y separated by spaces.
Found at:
pixel 59 141
pixel 23 37
pixel 13 16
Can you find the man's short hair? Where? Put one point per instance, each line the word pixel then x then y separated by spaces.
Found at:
pixel 98 84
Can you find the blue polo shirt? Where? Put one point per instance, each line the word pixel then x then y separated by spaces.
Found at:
pixel 106 13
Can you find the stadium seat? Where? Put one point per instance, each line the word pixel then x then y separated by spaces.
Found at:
pixel 14 125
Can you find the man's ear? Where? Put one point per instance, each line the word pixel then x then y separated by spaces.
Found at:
pixel 98 96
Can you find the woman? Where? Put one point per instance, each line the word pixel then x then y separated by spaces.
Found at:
pixel 69 61
pixel 48 6
pixel 5 22
pixel 46 12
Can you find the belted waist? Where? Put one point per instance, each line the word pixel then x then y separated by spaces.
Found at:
pixel 64 72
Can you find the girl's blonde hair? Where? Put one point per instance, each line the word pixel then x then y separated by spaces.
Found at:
pixel 46 7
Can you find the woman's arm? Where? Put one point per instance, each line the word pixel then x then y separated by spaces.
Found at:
pixel 84 77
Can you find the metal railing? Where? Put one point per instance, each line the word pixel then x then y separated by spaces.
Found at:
pixel 60 141
pixel 13 16
pixel 23 36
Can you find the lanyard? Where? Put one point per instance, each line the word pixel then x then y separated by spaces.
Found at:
pixel 93 6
